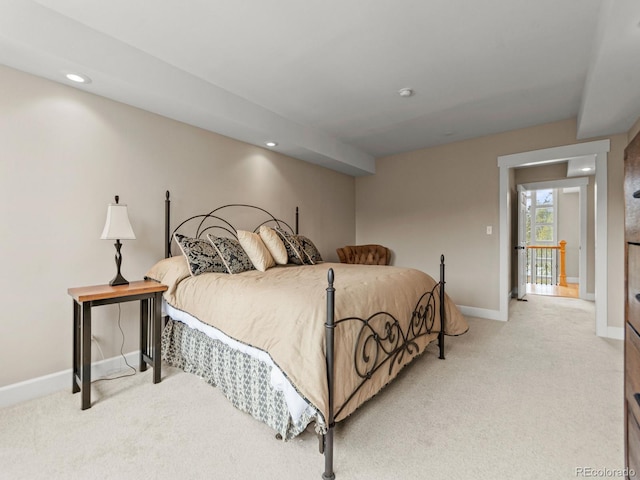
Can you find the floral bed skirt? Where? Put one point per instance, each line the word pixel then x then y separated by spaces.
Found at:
pixel 243 379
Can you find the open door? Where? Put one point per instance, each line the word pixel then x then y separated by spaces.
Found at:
pixel 521 247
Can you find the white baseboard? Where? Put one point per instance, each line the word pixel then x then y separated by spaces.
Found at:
pixel 573 280
pixel 55 382
pixel 617 333
pixel 480 312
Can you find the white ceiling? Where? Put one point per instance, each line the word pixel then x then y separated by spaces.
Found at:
pixel 321 77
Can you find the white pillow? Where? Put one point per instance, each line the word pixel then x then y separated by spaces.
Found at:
pixel 257 251
pixel 274 244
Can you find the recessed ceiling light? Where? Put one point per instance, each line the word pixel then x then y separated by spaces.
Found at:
pixel 271 144
pixel 76 77
pixel 405 92
pixel 586 169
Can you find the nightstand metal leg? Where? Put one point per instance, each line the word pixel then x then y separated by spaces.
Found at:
pixel 75 371
pixel 86 355
pixel 157 349
pixel 144 333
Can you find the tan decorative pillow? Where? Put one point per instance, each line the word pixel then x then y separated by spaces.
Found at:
pixel 170 271
pixel 173 267
pixel 257 251
pixel 274 244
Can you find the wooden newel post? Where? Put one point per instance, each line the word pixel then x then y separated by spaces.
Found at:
pixel 563 268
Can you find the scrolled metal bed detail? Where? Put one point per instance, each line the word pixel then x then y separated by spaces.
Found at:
pixel 390 345
pixel 225 225
pixel 381 341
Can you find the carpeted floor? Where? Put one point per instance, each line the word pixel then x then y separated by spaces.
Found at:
pixel 533 398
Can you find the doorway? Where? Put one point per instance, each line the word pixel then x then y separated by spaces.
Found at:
pixel 506 164
pixel 538 239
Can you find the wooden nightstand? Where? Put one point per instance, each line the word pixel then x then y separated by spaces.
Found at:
pixel 149 293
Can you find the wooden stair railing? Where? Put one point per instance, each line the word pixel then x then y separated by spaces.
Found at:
pixel 561 247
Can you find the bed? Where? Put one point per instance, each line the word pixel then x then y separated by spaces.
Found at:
pixel 293 344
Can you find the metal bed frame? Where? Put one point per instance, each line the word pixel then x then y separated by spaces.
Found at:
pixel 381 340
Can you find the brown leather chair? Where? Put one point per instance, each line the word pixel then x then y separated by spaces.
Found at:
pixel 365 254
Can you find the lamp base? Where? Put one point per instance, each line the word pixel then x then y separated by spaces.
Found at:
pixel 118 280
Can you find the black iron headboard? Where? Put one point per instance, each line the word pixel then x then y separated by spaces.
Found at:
pixel 214 221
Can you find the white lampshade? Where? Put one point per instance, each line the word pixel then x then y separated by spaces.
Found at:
pixel 117 226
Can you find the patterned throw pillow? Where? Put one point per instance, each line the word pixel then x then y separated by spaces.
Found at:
pixel 200 255
pixel 257 251
pixel 295 254
pixel 275 244
pixel 310 250
pixel 300 249
pixel 233 256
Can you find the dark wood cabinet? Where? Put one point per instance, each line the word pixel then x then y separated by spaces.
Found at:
pixel 632 306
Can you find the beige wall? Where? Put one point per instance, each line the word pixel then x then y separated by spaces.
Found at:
pixel 437 201
pixel 569 230
pixel 441 199
pixel 64 154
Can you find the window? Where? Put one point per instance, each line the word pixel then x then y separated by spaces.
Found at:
pixel 541 221
pixel 542 227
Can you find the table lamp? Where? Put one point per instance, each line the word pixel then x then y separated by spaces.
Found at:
pixel 117 227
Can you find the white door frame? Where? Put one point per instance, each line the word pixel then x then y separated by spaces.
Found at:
pixel 599 149
pixel 581 182
pixel 521 243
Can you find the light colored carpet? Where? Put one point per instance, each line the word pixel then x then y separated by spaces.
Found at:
pixel 533 398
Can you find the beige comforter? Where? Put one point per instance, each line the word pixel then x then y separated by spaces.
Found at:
pixel 283 311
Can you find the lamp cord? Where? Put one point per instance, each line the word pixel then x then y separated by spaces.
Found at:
pixel 121 353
